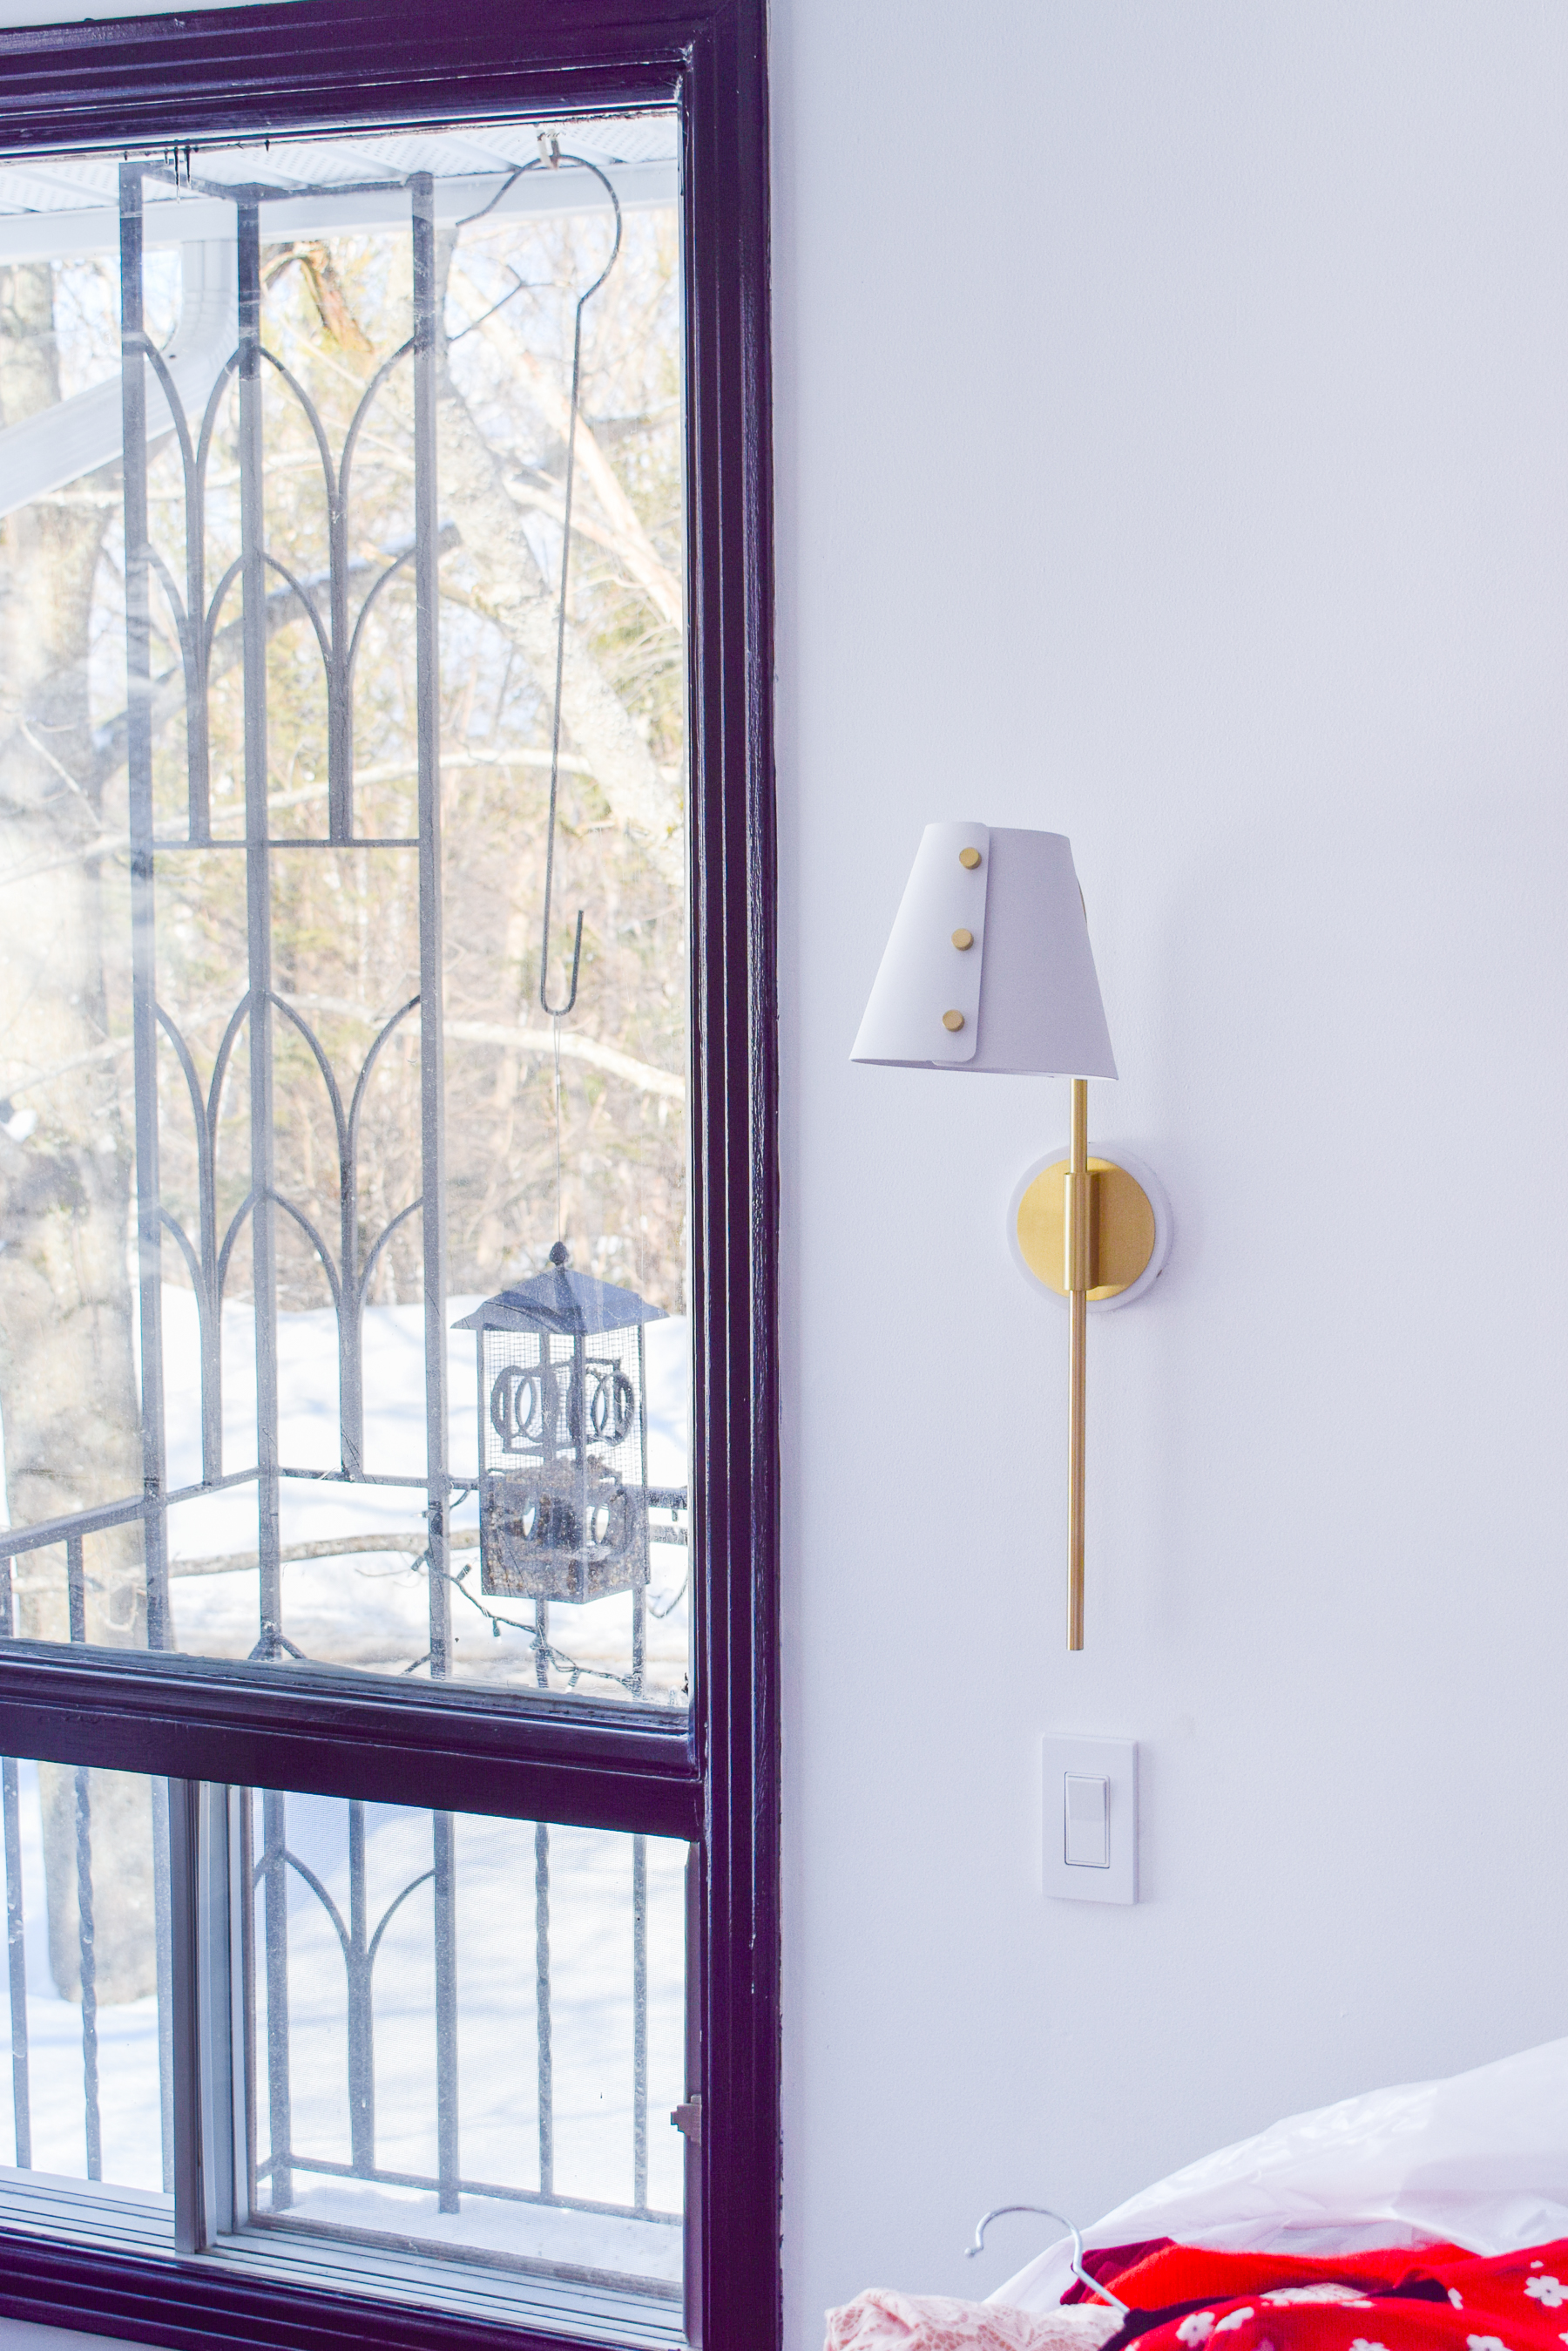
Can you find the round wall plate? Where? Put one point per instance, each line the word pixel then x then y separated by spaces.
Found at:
pixel 1133 1228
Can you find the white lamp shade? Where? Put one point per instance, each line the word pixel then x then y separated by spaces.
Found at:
pixel 1025 991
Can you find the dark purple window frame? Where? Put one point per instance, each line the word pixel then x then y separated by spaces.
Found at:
pixel 713 1781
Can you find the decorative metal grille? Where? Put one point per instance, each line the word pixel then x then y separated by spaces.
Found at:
pixel 197 616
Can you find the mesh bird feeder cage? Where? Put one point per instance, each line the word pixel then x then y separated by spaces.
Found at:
pixel 563 1424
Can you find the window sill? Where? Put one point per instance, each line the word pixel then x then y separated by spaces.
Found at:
pixel 127 2225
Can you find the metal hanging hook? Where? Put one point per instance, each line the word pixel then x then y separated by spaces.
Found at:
pixel 559 1011
pixel 550 158
pixel 1101 2293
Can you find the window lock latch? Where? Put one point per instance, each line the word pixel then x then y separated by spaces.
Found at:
pixel 688 2118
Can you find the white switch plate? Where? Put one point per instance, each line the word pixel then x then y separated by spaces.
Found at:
pixel 1113 1762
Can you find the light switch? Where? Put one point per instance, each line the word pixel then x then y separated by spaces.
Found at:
pixel 1089 1787
pixel 1086 1820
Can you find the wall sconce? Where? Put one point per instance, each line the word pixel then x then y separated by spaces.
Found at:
pixel 988 970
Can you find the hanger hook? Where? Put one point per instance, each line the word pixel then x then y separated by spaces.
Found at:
pixel 1100 2293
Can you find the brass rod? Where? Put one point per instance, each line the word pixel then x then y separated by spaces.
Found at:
pixel 1078 1271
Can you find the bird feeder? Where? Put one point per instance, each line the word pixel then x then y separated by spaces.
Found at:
pixel 562 1429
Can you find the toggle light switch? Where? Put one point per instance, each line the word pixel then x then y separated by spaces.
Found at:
pixel 1087 1822
pixel 1090 1819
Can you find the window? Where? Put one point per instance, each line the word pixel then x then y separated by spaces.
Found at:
pixel 387 1281
pixel 436 2051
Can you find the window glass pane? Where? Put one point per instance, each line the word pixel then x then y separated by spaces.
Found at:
pixel 440 2054
pixel 86 1895
pixel 466 2037
pixel 339 1218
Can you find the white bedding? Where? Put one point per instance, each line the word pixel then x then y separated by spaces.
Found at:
pixel 1479 2160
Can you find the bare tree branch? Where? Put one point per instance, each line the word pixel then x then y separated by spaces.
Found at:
pixel 626 534
pixel 513 593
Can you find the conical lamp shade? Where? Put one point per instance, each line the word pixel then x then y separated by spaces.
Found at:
pixel 1023 996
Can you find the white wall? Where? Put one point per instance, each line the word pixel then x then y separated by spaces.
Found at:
pixel 1173 451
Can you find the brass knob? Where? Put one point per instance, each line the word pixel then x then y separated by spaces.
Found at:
pixel 953 1020
pixel 968 859
pixel 962 939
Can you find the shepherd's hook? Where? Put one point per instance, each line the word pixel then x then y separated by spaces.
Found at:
pixel 559 1011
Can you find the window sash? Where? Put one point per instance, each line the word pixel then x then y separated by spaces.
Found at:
pixel 270 1921
pixel 556 1760
pixel 162 1712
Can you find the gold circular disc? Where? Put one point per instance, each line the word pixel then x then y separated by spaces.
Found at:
pixel 968 859
pixel 963 940
pixel 1124 1228
pixel 953 1020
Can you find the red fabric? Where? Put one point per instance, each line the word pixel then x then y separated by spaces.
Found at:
pixel 1438 2299
pixel 1174 2273
pixel 1107 2263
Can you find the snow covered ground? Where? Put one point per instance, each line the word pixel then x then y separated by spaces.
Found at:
pixel 591 2039
pixel 591 2033
pixel 126 2050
